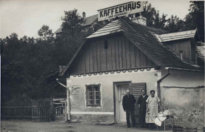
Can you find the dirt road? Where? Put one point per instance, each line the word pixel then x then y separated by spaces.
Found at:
pixel 29 126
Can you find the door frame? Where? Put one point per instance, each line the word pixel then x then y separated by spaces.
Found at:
pixel 114 95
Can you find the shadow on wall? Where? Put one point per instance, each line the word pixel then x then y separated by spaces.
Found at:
pixel 186 105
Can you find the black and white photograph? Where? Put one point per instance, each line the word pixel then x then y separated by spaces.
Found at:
pixel 102 66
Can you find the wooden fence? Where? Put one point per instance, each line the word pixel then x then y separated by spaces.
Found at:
pixel 16 112
pixel 27 112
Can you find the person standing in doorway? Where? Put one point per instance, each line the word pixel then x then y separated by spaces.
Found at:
pixel 152 108
pixel 128 104
pixel 142 107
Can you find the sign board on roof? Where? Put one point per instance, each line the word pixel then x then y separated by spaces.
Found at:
pixel 120 10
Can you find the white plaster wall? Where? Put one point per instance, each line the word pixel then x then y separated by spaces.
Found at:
pixel 182 79
pixel 106 82
pixel 184 101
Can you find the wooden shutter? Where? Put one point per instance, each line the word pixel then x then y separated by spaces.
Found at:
pixel 135 89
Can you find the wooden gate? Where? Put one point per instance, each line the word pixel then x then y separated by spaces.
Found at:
pixel 42 113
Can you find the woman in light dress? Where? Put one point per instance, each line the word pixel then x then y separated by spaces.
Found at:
pixel 152 108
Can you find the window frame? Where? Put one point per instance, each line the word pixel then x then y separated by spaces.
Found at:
pixel 95 105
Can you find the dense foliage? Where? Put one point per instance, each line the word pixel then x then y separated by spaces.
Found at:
pixel 30 66
pixel 194 19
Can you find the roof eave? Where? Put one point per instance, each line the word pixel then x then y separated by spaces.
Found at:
pixel 183 69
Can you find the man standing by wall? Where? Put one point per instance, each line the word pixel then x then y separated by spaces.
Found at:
pixel 142 107
pixel 128 104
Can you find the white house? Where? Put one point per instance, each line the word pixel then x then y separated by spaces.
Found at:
pixel 126 55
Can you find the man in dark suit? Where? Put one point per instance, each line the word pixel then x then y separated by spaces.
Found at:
pixel 142 107
pixel 128 104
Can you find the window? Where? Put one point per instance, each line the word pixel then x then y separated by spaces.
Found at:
pixel 93 95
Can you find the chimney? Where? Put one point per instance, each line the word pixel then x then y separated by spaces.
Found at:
pixel 84 15
pixel 140 20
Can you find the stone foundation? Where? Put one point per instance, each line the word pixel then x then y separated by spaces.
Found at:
pixel 93 119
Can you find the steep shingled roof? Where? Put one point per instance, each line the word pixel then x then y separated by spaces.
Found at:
pixel 110 28
pixel 144 39
pixel 117 26
pixel 176 36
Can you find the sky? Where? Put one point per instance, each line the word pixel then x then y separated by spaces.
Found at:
pixel 26 17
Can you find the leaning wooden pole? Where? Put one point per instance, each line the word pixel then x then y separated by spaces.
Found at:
pixel 68 108
pixel 68 105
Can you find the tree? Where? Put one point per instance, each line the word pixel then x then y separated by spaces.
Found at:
pixel 14 81
pixel 174 24
pixel 148 13
pixel 1 45
pixel 72 23
pixel 153 17
pixel 28 67
pixel 196 11
pixel 45 33
pixel 13 36
pixel 70 38
pixel 195 18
